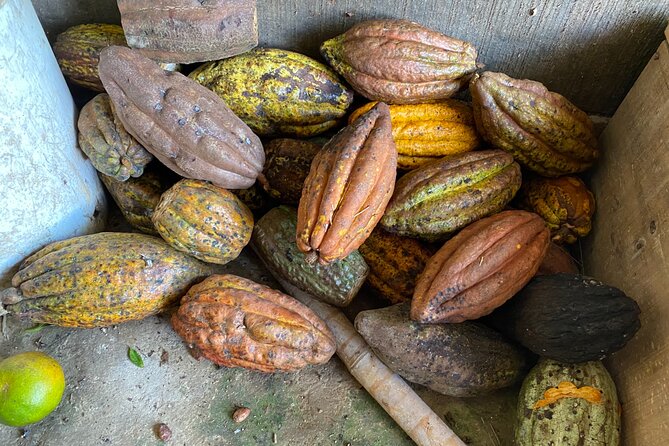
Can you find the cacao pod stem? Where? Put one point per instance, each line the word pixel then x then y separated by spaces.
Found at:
pixel 263 181
pixel 10 296
pixel 311 257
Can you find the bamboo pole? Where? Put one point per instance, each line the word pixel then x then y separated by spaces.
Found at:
pixel 393 394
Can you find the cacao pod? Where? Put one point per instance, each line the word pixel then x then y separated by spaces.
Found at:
pixel 104 140
pixel 77 51
pixel 400 62
pixel 568 404
pixel 235 322
pixel 187 127
pixel 445 195
pixel 565 203
pixel 137 197
pixel 287 163
pixel 336 283
pixel 203 220
pixel 254 198
pixel 480 268
pixel 542 130
pixel 278 91
pixel 569 318
pixel 394 264
pixel 557 260
pixel 100 280
pixel 464 359
pixel 426 132
pixel 348 187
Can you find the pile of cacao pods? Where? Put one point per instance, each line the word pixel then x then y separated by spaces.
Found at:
pixel 459 214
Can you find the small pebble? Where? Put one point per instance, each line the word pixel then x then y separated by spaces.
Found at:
pixel 274 440
pixel 163 432
pixel 240 414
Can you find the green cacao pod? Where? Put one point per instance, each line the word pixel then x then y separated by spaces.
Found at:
pixel 394 264
pixel 445 195
pixel 336 283
pixel 203 220
pixel 463 359
pixel 565 203
pixel 100 280
pixel 287 163
pixel 105 141
pixel 569 318
pixel 568 405
pixel 77 51
pixel 276 91
pixel 137 197
pixel 542 130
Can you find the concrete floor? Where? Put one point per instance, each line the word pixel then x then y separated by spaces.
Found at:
pixel 110 401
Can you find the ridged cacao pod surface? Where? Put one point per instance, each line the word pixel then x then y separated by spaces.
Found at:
pixel 336 283
pixel 400 62
pixel 568 404
pixel 565 203
pixel 448 194
pixel 557 260
pixel 569 318
pixel 464 359
pixel 235 322
pixel 104 140
pixel 77 51
pixel 427 132
pixel 287 164
pixel 348 187
pixel 394 263
pixel 480 268
pixel 277 91
pixel 186 126
pixel 203 220
pixel 101 279
pixel 188 31
pixel 542 130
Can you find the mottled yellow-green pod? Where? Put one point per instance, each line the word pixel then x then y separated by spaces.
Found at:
pixel 278 92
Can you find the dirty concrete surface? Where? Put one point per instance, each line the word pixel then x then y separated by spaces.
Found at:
pixel 110 401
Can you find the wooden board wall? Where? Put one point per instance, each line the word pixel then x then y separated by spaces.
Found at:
pixel 629 245
pixel 590 51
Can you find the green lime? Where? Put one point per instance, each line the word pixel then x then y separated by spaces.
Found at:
pixel 31 387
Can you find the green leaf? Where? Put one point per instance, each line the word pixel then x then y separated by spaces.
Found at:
pixel 135 357
pixel 35 328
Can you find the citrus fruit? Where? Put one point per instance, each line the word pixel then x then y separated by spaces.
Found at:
pixel 31 387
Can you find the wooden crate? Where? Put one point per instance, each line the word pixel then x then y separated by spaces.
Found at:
pixel 629 244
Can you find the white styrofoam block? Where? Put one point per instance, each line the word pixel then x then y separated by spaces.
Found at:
pixel 48 190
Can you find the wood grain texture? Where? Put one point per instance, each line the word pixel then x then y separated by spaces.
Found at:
pixel 589 51
pixel 629 245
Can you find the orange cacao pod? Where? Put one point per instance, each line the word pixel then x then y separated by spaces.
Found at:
pixel 348 187
pixel 480 268
pixel 235 322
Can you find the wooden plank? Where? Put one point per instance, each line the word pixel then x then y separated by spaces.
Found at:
pixel 589 51
pixel 629 245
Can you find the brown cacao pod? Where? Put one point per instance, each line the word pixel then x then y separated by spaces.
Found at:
pixel 557 260
pixel 400 62
pixel 101 279
pixel 480 268
pixel 427 132
pixel 203 220
pixel 235 322
pixel 287 163
pixel 188 31
pixel 254 198
pixel 104 140
pixel 394 264
pixel 186 126
pixel 278 92
pixel 565 203
pixel 542 130
pixel 137 197
pixel 348 187
pixel 77 51
pixel 445 195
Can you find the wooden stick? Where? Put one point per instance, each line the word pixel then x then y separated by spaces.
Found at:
pixel 393 394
